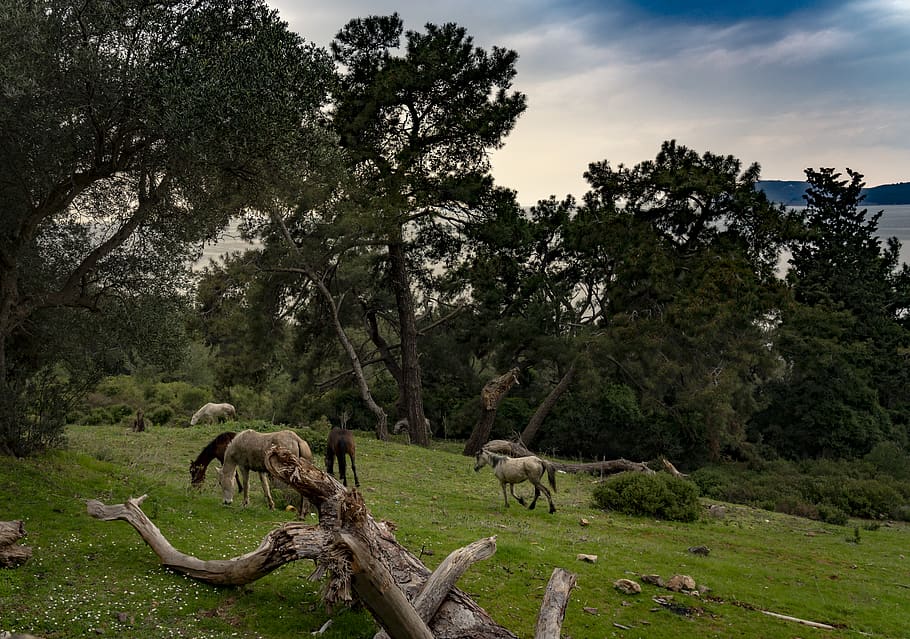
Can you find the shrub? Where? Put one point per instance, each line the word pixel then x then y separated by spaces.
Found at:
pixel 659 495
pixel 832 515
pixel 190 398
pixel 160 415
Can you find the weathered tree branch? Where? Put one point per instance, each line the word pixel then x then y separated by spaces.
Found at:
pixel 555 600
pixel 358 555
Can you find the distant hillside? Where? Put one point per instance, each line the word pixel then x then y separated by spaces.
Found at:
pixel 790 192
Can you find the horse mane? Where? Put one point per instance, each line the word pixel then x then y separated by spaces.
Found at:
pixel 213 450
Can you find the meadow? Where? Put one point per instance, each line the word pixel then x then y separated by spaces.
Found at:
pixel 89 578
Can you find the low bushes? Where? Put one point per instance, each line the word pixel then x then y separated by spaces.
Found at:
pixel 659 495
pixel 824 490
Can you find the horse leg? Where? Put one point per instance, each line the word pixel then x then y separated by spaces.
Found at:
pixel 546 492
pixel 245 473
pixel 264 479
pixel 520 500
pixel 354 470
pixel 536 495
pixel 343 470
pixel 505 495
pixel 330 461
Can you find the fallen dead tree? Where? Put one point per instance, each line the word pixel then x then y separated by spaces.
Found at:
pixel 357 556
pixel 606 467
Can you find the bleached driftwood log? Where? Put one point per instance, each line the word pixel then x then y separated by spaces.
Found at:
pixel 553 608
pixel 358 556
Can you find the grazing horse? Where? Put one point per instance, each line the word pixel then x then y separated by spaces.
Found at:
pixel 341 442
pixel 214 413
pixel 247 452
pixel 514 470
pixel 213 450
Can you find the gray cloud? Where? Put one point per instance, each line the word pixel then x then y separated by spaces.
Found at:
pixel 822 84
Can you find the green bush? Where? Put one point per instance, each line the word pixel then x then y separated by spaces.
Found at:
pixel 190 398
pixel 835 489
pixel 832 515
pixel 160 415
pixel 658 495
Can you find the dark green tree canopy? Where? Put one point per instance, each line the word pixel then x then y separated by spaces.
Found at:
pixel 129 131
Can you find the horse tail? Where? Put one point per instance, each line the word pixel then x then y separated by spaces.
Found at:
pixel 551 474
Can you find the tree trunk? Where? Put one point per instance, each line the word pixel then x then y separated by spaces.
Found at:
pixel 530 431
pixel 382 427
pixel 357 554
pixel 490 397
pixel 411 386
pixel 388 358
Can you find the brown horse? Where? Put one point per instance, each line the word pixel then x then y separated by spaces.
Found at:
pixel 341 443
pixel 213 450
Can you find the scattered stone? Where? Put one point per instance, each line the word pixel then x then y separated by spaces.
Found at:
pixel 717 511
pixel 627 586
pixel 591 559
pixel 681 583
pixel 654 580
pixel 584 522
pixel 699 550
pixel 590 611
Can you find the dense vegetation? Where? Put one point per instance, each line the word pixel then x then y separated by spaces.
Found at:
pixel 393 277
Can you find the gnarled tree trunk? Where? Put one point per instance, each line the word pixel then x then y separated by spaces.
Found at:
pixel 492 394
pixel 357 554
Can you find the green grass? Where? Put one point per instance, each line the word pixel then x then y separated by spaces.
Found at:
pixel 91 578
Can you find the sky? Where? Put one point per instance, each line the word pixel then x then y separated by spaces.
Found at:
pixel 789 85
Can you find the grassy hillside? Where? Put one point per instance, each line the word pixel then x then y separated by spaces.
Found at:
pixel 90 578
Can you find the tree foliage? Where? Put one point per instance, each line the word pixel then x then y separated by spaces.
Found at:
pixel 131 130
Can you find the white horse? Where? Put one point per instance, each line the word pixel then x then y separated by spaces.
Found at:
pixel 247 451
pixel 514 470
pixel 214 413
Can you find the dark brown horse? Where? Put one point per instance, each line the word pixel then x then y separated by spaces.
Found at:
pixel 341 443
pixel 213 450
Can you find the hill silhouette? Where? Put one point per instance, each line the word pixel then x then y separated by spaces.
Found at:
pixel 790 192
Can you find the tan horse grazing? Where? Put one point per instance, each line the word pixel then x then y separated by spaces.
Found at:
pixel 247 451
pixel 514 470
pixel 214 413
pixel 341 443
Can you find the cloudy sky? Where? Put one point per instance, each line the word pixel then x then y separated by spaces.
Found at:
pixel 789 85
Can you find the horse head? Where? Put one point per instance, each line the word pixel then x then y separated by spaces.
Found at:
pixel 197 474
pixel 227 488
pixel 480 460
